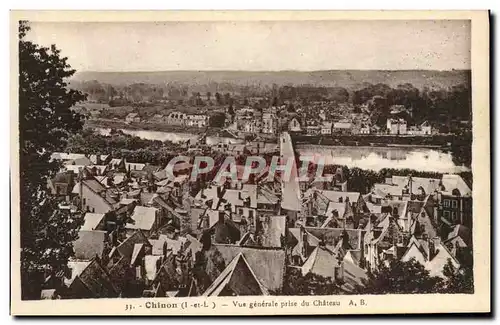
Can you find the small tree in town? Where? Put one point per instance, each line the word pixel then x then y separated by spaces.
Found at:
pixel 401 277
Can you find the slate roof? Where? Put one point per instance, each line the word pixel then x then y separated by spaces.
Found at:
pixel 76 267
pixel 268 264
pixel 127 246
pixel 238 278
pixel 89 244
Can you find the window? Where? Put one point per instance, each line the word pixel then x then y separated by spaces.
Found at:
pixel 250 213
pixel 446 214
pixel 240 210
pixel 453 216
pixel 454 203
pixel 447 203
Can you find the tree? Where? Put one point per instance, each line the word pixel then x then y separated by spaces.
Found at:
pixel 218 98
pixel 45 122
pixel 401 277
pixel 217 120
pixel 458 280
pixel 296 284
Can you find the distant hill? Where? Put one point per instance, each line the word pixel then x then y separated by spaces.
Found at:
pixel 351 79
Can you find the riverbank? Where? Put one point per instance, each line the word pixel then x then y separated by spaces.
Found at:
pixel 368 140
pixel 148 126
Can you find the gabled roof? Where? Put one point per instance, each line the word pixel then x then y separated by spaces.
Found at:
pixel 237 278
pixel 353 276
pixel 322 262
pixel 76 267
pixel 462 232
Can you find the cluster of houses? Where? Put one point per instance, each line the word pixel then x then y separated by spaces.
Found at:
pixel 147 235
pixel 176 118
pixel 274 120
pixel 277 119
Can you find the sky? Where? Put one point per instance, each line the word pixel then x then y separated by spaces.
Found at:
pixel 260 46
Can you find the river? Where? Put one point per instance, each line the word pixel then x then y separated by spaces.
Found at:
pixel 373 158
pixel 174 137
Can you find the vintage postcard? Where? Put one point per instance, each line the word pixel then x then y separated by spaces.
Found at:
pixel 250 163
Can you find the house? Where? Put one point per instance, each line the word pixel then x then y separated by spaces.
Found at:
pixel 176 118
pixel 95 197
pixel 197 120
pixel 88 279
pixel 335 208
pixel 269 123
pixel 66 156
pixel 454 201
pixel 294 125
pixel 237 279
pixel 324 262
pixel 268 264
pixel 431 253
pixel 326 128
pixel 426 128
pixel 100 159
pixel 423 129
pixel 132 117
pixel 396 126
pixel 383 240
pixel 158 118
pixel 252 126
pixel 313 129
pixel 365 128
pixel 342 127
pixel 62 184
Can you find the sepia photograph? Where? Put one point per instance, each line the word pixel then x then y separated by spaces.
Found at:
pixel 269 163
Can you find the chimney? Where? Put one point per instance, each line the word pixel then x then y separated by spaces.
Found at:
pixel 303 235
pixel 433 243
pixel 221 217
